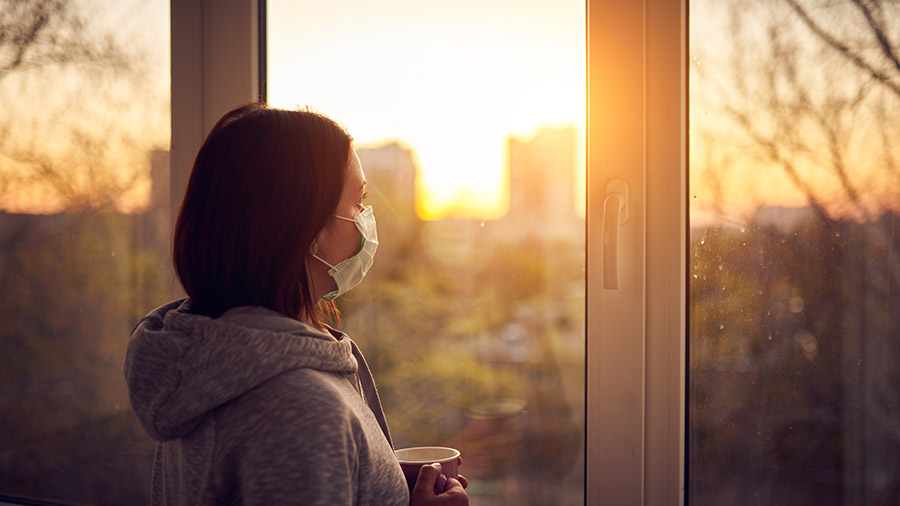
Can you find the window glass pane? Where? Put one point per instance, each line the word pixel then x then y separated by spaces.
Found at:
pixel 84 139
pixel 469 121
pixel 794 252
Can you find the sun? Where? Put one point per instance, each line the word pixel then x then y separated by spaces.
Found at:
pixel 452 85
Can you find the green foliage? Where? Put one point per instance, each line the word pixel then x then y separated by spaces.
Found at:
pixel 427 396
pixel 782 326
pixel 464 347
pixel 72 287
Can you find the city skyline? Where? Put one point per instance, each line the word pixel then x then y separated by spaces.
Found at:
pixel 452 80
pixel 149 192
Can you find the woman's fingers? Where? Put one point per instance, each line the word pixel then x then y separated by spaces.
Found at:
pixel 428 475
pixel 455 494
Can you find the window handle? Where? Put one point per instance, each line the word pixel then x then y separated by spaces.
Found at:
pixel 615 213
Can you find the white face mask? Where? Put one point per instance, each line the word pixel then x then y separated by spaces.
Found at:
pixel 351 271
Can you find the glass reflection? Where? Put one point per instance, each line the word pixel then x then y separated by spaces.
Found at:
pixel 84 135
pixel 793 261
pixel 468 120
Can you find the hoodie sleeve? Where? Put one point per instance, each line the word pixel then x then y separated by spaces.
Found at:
pixel 291 440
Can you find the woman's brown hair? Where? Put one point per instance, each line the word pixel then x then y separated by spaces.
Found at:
pixel 264 183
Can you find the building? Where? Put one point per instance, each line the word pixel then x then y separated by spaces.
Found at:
pixel 390 170
pixel 542 185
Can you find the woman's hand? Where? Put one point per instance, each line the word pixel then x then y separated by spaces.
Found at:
pixel 462 479
pixel 423 494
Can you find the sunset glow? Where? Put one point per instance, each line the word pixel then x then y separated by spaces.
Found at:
pixel 451 82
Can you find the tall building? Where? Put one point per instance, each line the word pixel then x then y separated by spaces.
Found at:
pixel 159 214
pixel 159 179
pixel 542 184
pixel 390 170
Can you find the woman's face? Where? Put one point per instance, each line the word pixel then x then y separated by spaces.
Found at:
pixel 340 239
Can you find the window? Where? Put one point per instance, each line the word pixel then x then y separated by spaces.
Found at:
pixel 83 240
pixel 634 352
pixel 793 253
pixel 468 119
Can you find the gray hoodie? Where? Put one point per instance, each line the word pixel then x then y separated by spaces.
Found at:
pixel 255 408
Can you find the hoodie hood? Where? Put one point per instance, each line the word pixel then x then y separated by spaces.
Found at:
pixel 181 364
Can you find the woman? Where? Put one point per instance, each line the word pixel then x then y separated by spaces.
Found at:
pixel 243 385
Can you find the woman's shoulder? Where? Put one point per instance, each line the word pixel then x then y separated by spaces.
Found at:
pixel 294 436
pixel 299 396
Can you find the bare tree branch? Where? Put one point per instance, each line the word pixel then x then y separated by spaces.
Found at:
pixel 37 34
pixel 887 143
pixel 773 150
pixel 96 160
pixel 843 49
pixel 25 40
pixel 880 36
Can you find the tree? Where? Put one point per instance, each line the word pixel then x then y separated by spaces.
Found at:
pixel 84 103
pixel 82 107
pixel 800 94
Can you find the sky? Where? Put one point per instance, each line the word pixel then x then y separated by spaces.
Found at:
pixel 452 80
pixel 832 117
pixel 89 123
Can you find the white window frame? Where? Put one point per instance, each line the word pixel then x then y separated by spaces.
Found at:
pixel 215 67
pixel 637 124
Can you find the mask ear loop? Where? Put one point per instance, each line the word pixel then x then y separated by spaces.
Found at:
pixel 326 298
pixel 313 250
pixel 362 238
